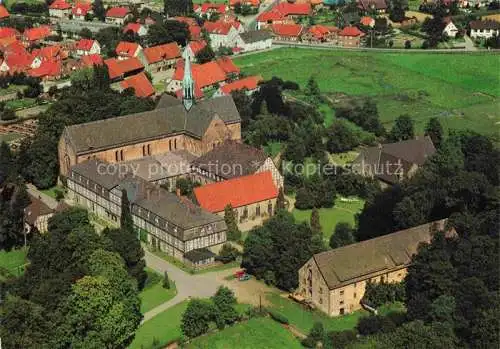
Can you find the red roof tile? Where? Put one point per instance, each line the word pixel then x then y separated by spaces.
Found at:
pixel 8 31
pixel 18 61
pixel 250 83
pixel 207 6
pixel 118 12
pixel 51 69
pixel 227 65
pixel 366 20
pixel 288 9
pixel 195 31
pixel 33 34
pixel 218 27
pixel 50 53
pixel 204 75
pixel 162 52
pixel 117 68
pixel 126 49
pixel 84 44
pixel 269 16
pixel 141 85
pixel 238 192
pixel 91 60
pixel 351 31
pixel 133 27
pixel 3 12
pixel 11 45
pixel 81 8
pixel 196 46
pixel 319 31
pixel 59 5
pixel 287 29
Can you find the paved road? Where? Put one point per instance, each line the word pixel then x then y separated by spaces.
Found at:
pixel 47 200
pixel 199 286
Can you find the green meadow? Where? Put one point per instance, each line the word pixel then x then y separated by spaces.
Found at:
pixel 462 90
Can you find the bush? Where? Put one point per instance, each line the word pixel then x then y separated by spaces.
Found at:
pixel 375 324
pixel 278 317
pixel 382 293
pixel 166 281
pixel 341 339
pixel 269 278
pixel 59 194
pixel 228 253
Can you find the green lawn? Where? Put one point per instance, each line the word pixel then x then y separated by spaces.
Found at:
pixel 11 89
pixel 13 261
pixel 163 328
pixel 422 85
pixel 304 319
pixel 153 293
pixel 52 191
pixel 255 333
pixel 329 217
pixel 16 104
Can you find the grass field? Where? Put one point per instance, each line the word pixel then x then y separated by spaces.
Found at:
pixel 153 293
pixel 329 217
pixel 163 328
pixel 304 319
pixel 52 191
pixel 13 262
pixel 16 104
pixel 462 90
pixel 255 333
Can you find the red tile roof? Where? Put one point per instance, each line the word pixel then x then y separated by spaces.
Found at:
pixel 218 27
pixel 84 44
pixel 287 29
pixel 204 75
pixel 240 191
pixel 118 12
pixel 91 60
pixel 351 31
pixel 3 12
pixel 320 31
pixel 50 53
pixel 366 20
pixel 10 45
pixel 51 69
pixel 59 5
pixel 18 61
pixel 33 34
pixel 162 52
pixel 289 9
pixel 207 6
pixel 133 27
pixel 81 8
pixel 195 31
pixel 269 16
pixel 141 85
pixel 8 31
pixel 126 49
pixel 250 83
pixel 117 68
pixel 197 46
pixel 227 65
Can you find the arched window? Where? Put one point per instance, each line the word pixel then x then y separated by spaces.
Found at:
pixel 175 143
pixel 116 156
pixel 169 144
pixel 121 155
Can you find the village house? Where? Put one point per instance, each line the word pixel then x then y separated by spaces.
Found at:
pixel 222 34
pixel 335 280
pixel 266 19
pixel 80 10
pixel 34 35
pixel 252 197
pixel 60 9
pixel 287 32
pixel 117 15
pixel 126 49
pixel 48 70
pixel 161 57
pixel 85 47
pixel 19 61
pixel 88 61
pixel 50 53
pixel 37 215
pixel 393 162
pixel 484 29
pixel 255 4
pixel 450 29
pixel 254 40
pixel 140 84
pixel 320 33
pixel 136 28
pixel 283 13
pixel 174 125
pixel 169 223
pixel 350 36
pixel 9 32
pixel 3 12
pixel 369 6
pixel 193 47
pixel 207 9
pixel 250 84
pixel 119 69
pixel 232 160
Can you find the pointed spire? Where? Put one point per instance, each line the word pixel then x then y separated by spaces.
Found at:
pixel 187 82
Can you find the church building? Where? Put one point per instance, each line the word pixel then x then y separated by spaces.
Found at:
pixel 194 126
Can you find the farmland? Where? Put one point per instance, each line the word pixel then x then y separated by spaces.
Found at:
pixel 462 90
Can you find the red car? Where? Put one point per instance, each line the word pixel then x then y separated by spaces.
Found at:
pixel 239 273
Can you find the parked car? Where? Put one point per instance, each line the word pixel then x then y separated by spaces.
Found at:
pixel 245 277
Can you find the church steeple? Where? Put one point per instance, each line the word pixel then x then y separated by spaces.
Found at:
pixel 187 83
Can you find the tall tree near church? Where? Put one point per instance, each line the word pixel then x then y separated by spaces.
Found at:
pixel 6 162
pixel 233 232
pixel 315 224
pixel 434 130
pixel 403 129
pixel 125 241
pixel 99 10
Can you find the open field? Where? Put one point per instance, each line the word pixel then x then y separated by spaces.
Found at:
pixel 329 217
pixel 462 90
pixel 255 333
pixel 12 263
pixel 153 293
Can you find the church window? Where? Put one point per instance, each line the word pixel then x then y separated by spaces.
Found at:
pixel 149 149
pixel 121 155
pixel 257 210
pixel 116 156
pixel 170 145
pixel 175 143
pixel 143 150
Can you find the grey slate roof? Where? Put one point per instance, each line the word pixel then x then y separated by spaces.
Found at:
pixel 239 158
pixel 255 36
pixel 89 169
pixel 363 260
pixel 168 118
